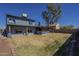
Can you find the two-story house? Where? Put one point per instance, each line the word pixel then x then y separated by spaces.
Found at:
pixel 19 24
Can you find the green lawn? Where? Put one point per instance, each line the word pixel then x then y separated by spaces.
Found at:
pixel 38 45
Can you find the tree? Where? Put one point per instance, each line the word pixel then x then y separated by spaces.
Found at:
pixel 52 14
pixel 67 27
pixel 45 16
pixel 55 10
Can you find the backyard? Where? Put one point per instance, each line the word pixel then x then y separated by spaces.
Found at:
pixel 38 45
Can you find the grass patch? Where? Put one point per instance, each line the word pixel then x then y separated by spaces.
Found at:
pixel 38 45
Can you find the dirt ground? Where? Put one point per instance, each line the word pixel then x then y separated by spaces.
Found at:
pixel 5 47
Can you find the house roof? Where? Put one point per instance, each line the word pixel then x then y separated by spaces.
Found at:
pixel 19 17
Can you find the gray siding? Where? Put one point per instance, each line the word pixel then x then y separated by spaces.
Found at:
pixel 19 22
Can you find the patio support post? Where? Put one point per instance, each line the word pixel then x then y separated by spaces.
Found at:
pixel 9 33
pixel 26 30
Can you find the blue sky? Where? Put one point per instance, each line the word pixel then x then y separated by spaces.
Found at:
pixel 70 13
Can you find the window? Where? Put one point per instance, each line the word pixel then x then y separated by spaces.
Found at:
pixel 30 23
pixel 11 20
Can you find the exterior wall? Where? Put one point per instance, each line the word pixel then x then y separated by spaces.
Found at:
pixel 17 24
pixel 17 29
pixel 54 26
pixel 57 26
pixel 20 29
pixel 20 22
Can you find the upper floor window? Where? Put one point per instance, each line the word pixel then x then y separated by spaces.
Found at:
pixel 30 23
pixel 11 20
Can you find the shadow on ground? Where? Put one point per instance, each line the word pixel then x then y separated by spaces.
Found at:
pixel 67 49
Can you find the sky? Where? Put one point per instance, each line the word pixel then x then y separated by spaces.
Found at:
pixel 70 13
